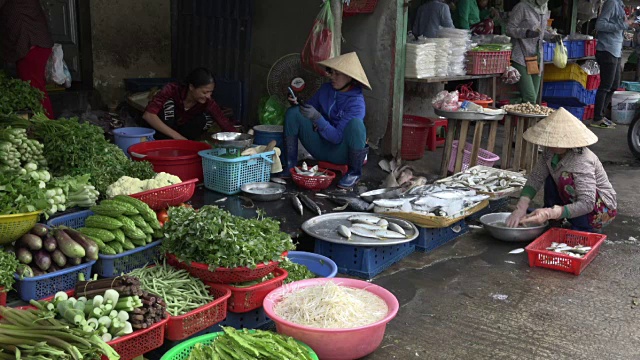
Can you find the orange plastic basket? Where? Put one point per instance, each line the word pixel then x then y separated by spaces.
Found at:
pixel 171 195
pixel 245 299
pixel 541 257
pixel 223 275
pixel 182 326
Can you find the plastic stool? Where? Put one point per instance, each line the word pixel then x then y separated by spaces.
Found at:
pixel 433 141
pixel 331 166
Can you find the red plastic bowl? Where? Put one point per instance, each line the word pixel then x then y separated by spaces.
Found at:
pixel 334 344
pixel 176 157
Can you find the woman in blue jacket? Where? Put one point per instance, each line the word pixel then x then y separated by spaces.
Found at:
pixel 331 124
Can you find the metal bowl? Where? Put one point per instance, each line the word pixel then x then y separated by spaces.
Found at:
pixel 384 193
pixel 231 140
pixel 504 233
pixel 263 191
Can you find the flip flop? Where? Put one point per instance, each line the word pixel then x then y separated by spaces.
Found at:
pixel 602 125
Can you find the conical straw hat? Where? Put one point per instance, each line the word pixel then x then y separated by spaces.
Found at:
pixel 560 130
pixel 348 64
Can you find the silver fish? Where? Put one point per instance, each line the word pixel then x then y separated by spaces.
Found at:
pixel 368 226
pixel 310 204
pixel 389 203
pixel 365 219
pixel 383 223
pixel 397 228
pixel 363 232
pixel 346 201
pixel 297 204
pixel 279 181
pixel 344 231
pixel 388 234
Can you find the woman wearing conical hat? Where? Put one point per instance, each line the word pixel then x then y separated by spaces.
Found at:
pixel 576 187
pixel 330 125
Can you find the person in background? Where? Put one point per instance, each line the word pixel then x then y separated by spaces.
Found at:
pixel 576 186
pixel 26 40
pixel 610 27
pixel 430 17
pixel 475 16
pixel 636 52
pixel 330 125
pixel 187 111
pixel 527 28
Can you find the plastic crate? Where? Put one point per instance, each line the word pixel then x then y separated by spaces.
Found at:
pixel 359 7
pixel 549 49
pixel 362 261
pixel 114 265
pixel 573 72
pixel 631 85
pixel 494 206
pixel 575 48
pixel 415 130
pixel 245 299
pixel 577 111
pixel 171 195
pixel 223 275
pixel 430 239
pixel 228 175
pixel 593 82
pixel 40 287
pixel 139 342
pixel 569 93
pixel 590 47
pixel 540 257
pixel 183 326
pixel 589 112
pixel 74 220
pixel 488 62
pixel 485 157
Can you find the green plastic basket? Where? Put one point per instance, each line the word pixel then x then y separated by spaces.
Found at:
pixel 182 350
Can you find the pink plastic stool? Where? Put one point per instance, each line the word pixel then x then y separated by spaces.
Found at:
pixel 335 167
pixel 433 141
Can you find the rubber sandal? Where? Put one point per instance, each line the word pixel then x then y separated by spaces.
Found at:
pixel 601 125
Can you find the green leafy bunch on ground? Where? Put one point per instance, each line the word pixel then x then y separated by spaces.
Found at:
pixel 18 95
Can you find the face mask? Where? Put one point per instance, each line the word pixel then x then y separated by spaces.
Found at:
pixel 541 2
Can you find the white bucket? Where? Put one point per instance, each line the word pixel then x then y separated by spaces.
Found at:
pixel 623 106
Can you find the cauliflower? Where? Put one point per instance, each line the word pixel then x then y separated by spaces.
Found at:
pixel 127 185
pixel 166 179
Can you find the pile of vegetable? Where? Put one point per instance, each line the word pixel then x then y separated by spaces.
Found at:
pixel 16 149
pixel 34 334
pixel 127 185
pixel 18 95
pixel 250 344
pixel 144 308
pixel 296 271
pixel 8 266
pixel 182 292
pixel 331 306
pixel 121 224
pixel 214 237
pixel 467 93
pixel 44 251
pixel 528 108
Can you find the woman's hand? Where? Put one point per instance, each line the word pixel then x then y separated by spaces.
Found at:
pixel 178 136
pixel 310 112
pixel 521 210
pixel 540 216
pixel 292 101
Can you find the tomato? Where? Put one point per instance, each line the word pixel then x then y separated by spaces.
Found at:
pixel 163 216
pixel 185 205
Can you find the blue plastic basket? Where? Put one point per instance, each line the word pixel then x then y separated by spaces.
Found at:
pixel 114 265
pixel 430 239
pixel 568 93
pixel 577 111
pixel 499 205
pixel 549 49
pixel 575 48
pixel 227 175
pixel 362 261
pixel 317 264
pixel 74 220
pixel 40 287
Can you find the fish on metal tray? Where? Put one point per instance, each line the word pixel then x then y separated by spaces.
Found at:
pixel 279 181
pixel 397 228
pixel 388 234
pixel 297 204
pixel 368 226
pixel 310 204
pixel 389 203
pixel 365 219
pixel 363 232
pixel 383 223
pixel 356 204
pixel 344 231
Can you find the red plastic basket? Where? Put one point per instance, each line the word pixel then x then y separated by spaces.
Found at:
pixel 176 157
pixel 593 82
pixel 485 157
pixel 487 62
pixel 313 182
pixel 541 257
pixel 182 326
pixel 415 131
pixel 140 342
pixel 223 275
pixel 590 47
pixel 589 112
pixel 359 7
pixel 171 195
pixel 3 297
pixel 243 300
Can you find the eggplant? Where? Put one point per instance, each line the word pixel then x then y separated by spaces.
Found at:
pixel 90 247
pixel 37 272
pixel 24 256
pixel 42 260
pixel 67 245
pixel 40 230
pixel 74 261
pixel 31 241
pixel 24 270
pixel 54 267
pixel 58 258
pixel 49 243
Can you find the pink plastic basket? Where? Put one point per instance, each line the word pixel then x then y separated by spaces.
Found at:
pixel 485 157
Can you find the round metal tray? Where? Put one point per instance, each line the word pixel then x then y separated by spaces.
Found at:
pixel 232 140
pixel 324 227
pixel 532 116
pixel 467 115
pixel 263 191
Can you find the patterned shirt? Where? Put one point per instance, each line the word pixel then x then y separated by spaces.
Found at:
pixel 522 18
pixel 22 25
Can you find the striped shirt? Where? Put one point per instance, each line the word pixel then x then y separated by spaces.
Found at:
pixel 22 25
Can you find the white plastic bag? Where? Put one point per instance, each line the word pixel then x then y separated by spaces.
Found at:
pixel 560 55
pixel 56 70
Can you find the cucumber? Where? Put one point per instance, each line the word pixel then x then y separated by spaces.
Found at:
pixel 128 245
pixel 107 250
pixel 103 222
pixel 119 235
pixel 138 242
pixel 158 234
pixel 100 234
pixel 127 209
pixel 127 224
pixel 149 239
pixel 135 234
pixel 117 247
pixel 144 209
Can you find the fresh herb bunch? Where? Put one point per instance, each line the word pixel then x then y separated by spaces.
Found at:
pixel 18 95
pixel 213 236
pixel 75 148
pixel 8 266
pixel 296 271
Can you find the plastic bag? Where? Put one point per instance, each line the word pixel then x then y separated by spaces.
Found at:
pixel 511 76
pixel 439 99
pixel 560 55
pixel 450 102
pixel 271 111
pixel 56 70
pixel 319 45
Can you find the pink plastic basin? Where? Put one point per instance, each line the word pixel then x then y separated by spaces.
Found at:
pixel 335 344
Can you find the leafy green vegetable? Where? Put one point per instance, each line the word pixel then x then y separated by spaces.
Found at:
pixel 296 271
pixel 8 266
pixel 213 236
pixel 18 95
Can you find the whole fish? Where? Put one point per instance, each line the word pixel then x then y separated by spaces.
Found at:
pixel 344 231
pixel 397 228
pixel 383 223
pixel 388 234
pixel 310 204
pixel 296 203
pixel 368 226
pixel 363 232
pixel 364 219
pixel 345 201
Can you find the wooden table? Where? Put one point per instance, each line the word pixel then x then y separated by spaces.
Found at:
pixel 525 154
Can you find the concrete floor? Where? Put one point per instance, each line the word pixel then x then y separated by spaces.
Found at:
pixel 470 299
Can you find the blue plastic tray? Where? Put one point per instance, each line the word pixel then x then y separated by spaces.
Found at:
pixel 74 220
pixel 577 111
pixel 567 93
pixel 430 239
pixel 114 265
pixel 549 49
pixel 362 261
pixel 317 264
pixel 40 287
pixel 575 48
